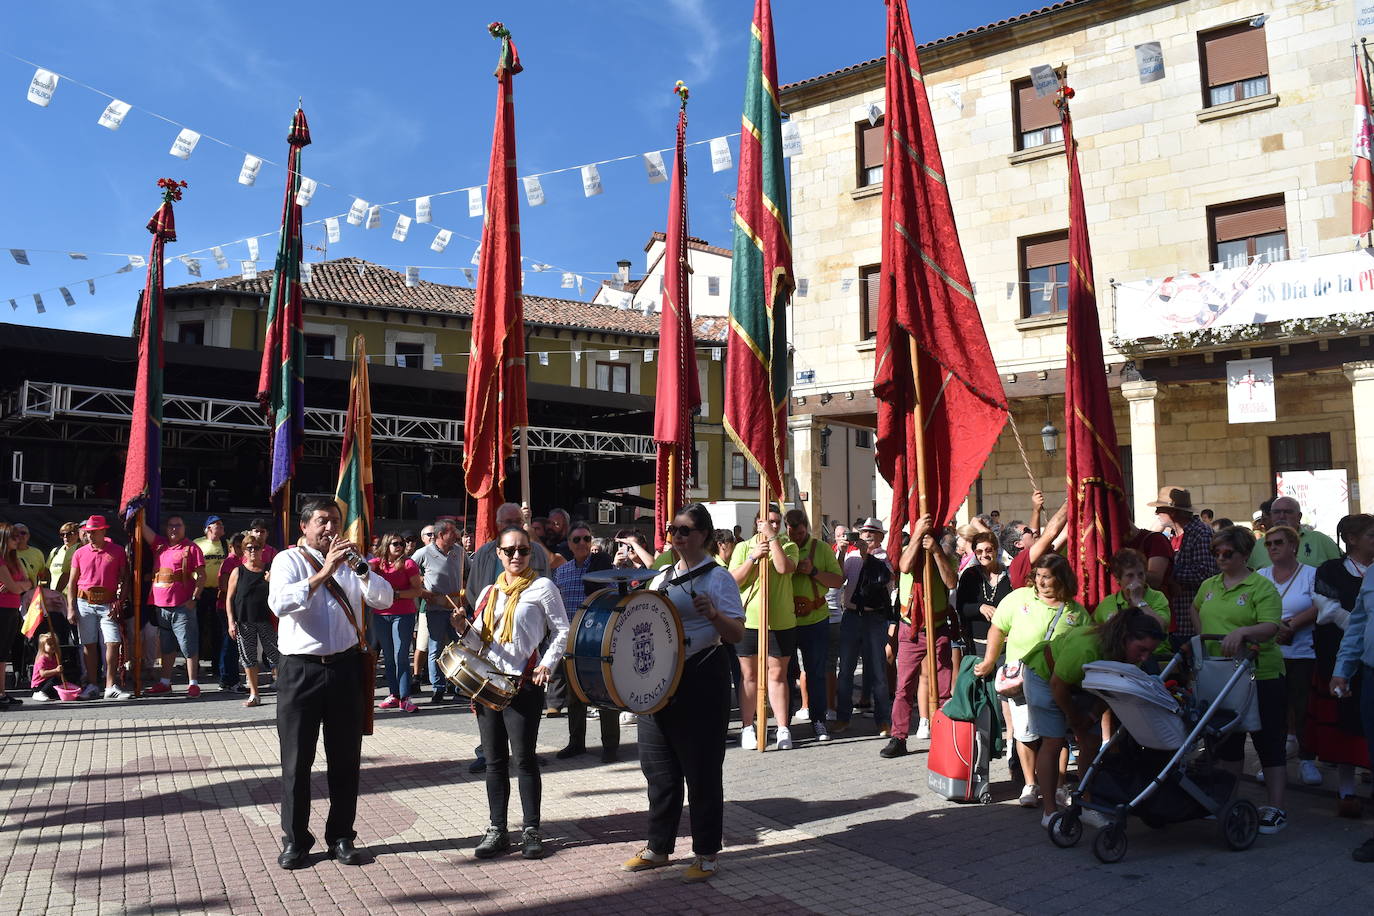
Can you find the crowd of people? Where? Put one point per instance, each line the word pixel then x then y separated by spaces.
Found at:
pixel 837 605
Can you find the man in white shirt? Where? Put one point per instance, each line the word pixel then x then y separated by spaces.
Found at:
pixel 319 678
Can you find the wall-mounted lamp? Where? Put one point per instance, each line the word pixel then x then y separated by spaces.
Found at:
pixel 1049 435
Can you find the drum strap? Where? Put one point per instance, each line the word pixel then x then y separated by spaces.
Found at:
pixel 690 574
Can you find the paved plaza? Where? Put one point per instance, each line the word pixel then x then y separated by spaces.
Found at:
pixel 171 806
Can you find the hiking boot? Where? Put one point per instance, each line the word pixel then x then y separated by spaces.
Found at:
pixel 494 842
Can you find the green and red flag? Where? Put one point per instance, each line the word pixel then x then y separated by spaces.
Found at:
pixel 1098 515
pixel 761 279
pixel 678 392
pixel 941 405
pixel 353 495
pixel 495 402
pixel 142 488
pixel 1362 171
pixel 281 381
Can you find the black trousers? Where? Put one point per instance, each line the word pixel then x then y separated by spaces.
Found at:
pixel 311 695
pixel 577 724
pixel 212 625
pixel 558 693
pixel 685 743
pixel 511 735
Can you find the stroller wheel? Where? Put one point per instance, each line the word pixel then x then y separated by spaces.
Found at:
pixel 1065 829
pixel 1238 823
pixel 1110 843
pixel 985 798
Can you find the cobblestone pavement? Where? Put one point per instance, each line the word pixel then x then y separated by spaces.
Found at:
pixel 171 806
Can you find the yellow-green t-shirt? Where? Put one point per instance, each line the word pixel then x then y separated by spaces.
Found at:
pixel 1314 549
pixel 939 606
pixel 31 558
pixel 806 587
pixel 1071 650
pixel 1254 600
pixel 1024 618
pixel 781 614
pixel 215 554
pixel 1116 601
pixel 665 559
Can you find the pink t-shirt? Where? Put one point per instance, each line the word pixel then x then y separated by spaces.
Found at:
pixel 101 568
pixel 398 577
pixel 41 662
pixel 9 599
pixel 180 561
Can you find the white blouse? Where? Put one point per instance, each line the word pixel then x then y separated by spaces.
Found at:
pixel 539 610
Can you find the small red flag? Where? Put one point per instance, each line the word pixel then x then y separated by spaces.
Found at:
pixel 1362 173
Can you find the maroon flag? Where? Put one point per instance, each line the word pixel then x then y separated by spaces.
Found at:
pixel 678 393
pixel 496 367
pixel 1096 485
pixel 940 400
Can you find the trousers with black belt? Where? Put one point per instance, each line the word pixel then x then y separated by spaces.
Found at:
pixel 312 694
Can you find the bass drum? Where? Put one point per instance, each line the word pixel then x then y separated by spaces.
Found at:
pixel 625 651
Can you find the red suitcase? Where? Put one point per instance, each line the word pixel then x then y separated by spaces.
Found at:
pixel 959 761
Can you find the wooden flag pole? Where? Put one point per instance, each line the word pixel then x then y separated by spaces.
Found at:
pixel 761 706
pixel 136 602
pixel 525 467
pixel 927 606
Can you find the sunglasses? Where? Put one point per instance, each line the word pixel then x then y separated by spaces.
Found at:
pixel 512 552
pixel 1223 554
pixel 397 544
pixel 1271 543
pixel 427 534
pixel 680 530
pixel 580 539
pixel 254 549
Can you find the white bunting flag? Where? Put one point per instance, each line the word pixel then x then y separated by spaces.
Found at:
pixel 539 268
pixel 423 209
pixel 20 256
pixel 615 355
pixel 441 240
pixel 248 172
pixel 412 275
pixel 1048 292
pixel 791 139
pixel 137 260
pixel 474 201
pixel 543 359
pixel 648 356
pixel 1011 289
pixel 253 248
pixel 38 303
pixel 220 260
pixel 42 87
pixel 567 280
pixel 476 258
pixel 14 306
pixel 307 272
pixel 467 274
pixel 534 191
pixel 580 281
pixel 77 256
pixel 90 287
pixel 125 269
pixel 402 229
pixel 358 212
pixel 577 356
pixel 715 354
pixel 973 287
pixel 720 154
pixel 438 360
pixel 306 191
pixel 591 181
pixel 1045 79
pixel 185 143
pixel 875 114
pixel 331 230
pixel 654 168
pixel 803 286
pixel 846 284
pixel 374 217
pixel 250 270
pixel 113 115
pixel 192 265
pixel 67 296
pixel 362 271
pixel 522 279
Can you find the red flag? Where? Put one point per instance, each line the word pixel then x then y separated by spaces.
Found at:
pixel 1096 484
pixel 936 382
pixel 496 367
pixel 678 392
pixel 1362 174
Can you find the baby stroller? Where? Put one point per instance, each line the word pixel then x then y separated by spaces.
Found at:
pixel 1150 767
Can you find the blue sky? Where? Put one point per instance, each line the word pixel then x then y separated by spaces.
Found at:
pixel 400 100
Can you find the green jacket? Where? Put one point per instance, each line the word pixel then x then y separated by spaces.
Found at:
pixel 969 696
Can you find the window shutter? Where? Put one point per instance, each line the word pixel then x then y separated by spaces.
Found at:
pixel 1035 113
pixel 871 140
pixel 870 287
pixel 1234 54
pixel 1046 251
pixel 1259 218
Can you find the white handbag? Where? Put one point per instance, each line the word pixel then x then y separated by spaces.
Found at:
pixel 1210 678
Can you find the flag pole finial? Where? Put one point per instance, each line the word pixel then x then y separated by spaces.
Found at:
pixel 681 91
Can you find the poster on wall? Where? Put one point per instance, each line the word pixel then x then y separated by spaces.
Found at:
pixel 1323 495
pixel 1250 391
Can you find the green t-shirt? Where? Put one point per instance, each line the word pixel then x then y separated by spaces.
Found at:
pixel 781 614
pixel 1114 602
pixel 939 605
pixel 1314 549
pixel 665 559
pixel 215 553
pixel 1254 600
pixel 1024 618
pixel 1071 650
pixel 822 557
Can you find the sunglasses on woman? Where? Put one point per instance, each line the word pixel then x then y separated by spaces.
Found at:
pixel 680 530
pixel 1223 554
pixel 253 549
pixel 579 539
pixel 514 551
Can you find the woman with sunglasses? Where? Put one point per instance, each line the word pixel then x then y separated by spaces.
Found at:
pixel 1245 607
pixel 14 581
pixel 250 619
pixel 683 744
pixel 512 618
pixel 1296 583
pixel 394 628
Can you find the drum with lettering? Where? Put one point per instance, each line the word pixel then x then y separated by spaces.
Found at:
pixel 625 651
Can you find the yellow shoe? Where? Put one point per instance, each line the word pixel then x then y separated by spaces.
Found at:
pixel 703 868
pixel 644 860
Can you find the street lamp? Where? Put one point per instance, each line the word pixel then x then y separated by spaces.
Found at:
pixel 1049 435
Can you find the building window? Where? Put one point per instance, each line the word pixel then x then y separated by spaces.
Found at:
pixel 696 474
pixel 1235 64
pixel 410 355
pixel 613 377
pixel 1249 230
pixel 870 289
pixel 713 286
pixel 1311 452
pixel 1044 274
pixel 868 144
pixel 742 473
pixel 1037 119
pixel 320 346
pixel 191 332
pixel 863 438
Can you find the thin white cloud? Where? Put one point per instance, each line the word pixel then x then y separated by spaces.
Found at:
pixel 706 39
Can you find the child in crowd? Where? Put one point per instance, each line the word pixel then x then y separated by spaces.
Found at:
pixel 47 669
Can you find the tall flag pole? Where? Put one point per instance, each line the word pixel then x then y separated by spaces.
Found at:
pixel 353 495
pixel 281 381
pixel 1098 516
pixel 495 402
pixel 761 282
pixel 1362 172
pixel 678 395
pixel 141 496
pixel 941 405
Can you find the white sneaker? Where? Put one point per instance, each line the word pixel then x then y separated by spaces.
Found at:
pixel 41 697
pixel 821 733
pixel 90 692
pixel 784 738
pixel 923 730
pixel 1311 776
pixel 1259 775
pixel 1062 795
pixel 628 718
pixel 1290 747
pixel 1030 797
pixel 802 715
pixel 830 715
pixel 747 739
pixel 114 693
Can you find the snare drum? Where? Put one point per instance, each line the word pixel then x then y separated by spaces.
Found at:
pixel 477 678
pixel 625 651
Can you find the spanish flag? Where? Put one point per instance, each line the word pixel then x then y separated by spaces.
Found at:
pixel 34 618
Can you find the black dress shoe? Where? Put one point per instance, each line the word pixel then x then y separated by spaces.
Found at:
pixel 478 766
pixel 293 856
pixel 896 747
pixel 610 755
pixel 346 852
pixel 572 750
